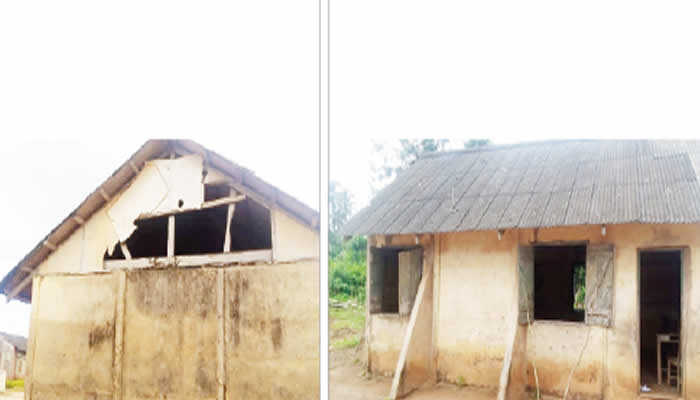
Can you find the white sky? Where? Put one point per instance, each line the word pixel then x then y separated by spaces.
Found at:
pixel 83 84
pixel 508 71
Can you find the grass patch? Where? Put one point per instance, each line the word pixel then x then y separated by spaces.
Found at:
pixel 352 318
pixel 346 326
pixel 15 384
pixel 346 343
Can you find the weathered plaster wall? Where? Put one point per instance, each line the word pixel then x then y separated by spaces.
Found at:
pixel 171 330
pixel 170 334
pixel 292 239
pixel 476 301
pixel 73 338
pixel 272 332
pixel 386 337
pixel 475 293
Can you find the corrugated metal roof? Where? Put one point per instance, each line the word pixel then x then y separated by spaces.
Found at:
pixel 542 184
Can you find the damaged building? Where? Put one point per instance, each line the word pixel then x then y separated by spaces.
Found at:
pixel 564 267
pixel 182 276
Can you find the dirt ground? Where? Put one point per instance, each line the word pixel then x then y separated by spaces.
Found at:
pixel 347 377
pixel 348 381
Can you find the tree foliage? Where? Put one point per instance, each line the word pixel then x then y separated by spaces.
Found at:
pixel 348 260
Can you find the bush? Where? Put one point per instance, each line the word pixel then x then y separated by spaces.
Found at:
pixel 347 270
pixel 15 384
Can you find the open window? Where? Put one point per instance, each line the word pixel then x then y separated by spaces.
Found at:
pixel 566 283
pixel 225 224
pixel 395 274
pixel 560 282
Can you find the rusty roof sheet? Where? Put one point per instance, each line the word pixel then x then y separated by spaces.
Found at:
pixel 542 184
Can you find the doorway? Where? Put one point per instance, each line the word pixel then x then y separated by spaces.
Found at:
pixel 660 319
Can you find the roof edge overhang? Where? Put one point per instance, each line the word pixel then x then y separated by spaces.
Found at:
pixel 265 192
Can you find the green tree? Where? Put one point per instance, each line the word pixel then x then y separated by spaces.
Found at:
pixel 392 158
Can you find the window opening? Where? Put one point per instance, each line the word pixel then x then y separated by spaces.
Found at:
pixel 560 283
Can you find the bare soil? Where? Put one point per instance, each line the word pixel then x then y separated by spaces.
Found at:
pixel 348 378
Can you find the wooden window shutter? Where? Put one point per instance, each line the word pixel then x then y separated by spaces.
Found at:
pixel 599 284
pixel 526 285
pixel 410 271
pixel 376 280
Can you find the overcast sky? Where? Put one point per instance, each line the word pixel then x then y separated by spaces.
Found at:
pixel 83 84
pixel 508 71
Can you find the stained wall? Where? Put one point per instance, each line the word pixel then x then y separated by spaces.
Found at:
pixel 475 296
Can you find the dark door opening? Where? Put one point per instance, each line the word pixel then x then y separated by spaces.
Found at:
pixel 659 318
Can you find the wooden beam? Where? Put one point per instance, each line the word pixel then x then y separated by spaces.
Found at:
pixel 105 195
pixel 205 205
pixel 49 245
pixel 14 292
pixel 227 236
pixel 78 219
pixel 125 250
pixel 399 377
pixel 217 259
pixel 171 236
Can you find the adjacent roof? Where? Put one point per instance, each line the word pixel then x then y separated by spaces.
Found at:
pixel 539 184
pixel 19 342
pixel 244 177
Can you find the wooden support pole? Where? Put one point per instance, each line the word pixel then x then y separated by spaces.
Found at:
pixel 227 236
pixel 79 219
pixel 220 337
pixel 118 363
pixel 50 245
pixel 171 236
pixel 125 250
pixel 399 376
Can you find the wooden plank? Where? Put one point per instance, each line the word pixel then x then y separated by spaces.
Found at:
pixel 118 362
pixel 208 204
pixel 227 236
pixel 239 257
pixel 29 376
pixel 125 250
pixel 408 336
pixel 410 270
pixel 220 337
pixel 171 236
pixel 50 245
pixel 21 285
pixel 507 361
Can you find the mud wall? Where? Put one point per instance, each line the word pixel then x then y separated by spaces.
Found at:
pixel 205 333
pixel 477 295
pixel 386 337
pixel 476 292
pixel 72 338
pixel 292 239
pixel 272 332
